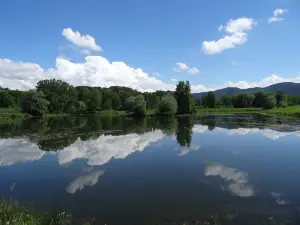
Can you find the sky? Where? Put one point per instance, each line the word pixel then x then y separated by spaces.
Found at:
pixel 150 45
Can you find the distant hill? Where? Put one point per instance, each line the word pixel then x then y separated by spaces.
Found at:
pixel 288 88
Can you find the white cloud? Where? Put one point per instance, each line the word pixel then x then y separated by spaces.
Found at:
pixel 236 35
pixel 220 28
pixel 14 151
pixel 86 180
pixel 94 71
pixel 278 198
pixel 101 150
pixel 185 150
pixel 182 67
pixel 157 74
pixel 267 81
pixel 173 80
pixel 83 41
pixel 238 180
pixel 276 15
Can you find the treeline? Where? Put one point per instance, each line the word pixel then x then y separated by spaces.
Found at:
pixel 56 96
pixel 258 99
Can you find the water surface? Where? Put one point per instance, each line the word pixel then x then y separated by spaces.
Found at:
pixel 229 169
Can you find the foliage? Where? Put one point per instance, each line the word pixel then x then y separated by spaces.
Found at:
pixel 167 105
pixel 6 100
pixel 270 102
pixel 211 100
pixel 34 103
pixel 183 96
pixel 136 105
pixel 225 101
pixel 243 100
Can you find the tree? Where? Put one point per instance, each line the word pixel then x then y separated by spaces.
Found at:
pixel 203 101
pixel 259 99
pixel 270 101
pixel 58 93
pixel 6 100
pixel 167 105
pixel 34 103
pixel 225 101
pixel 136 105
pixel 184 98
pixel 243 100
pixel 211 100
pixel 281 100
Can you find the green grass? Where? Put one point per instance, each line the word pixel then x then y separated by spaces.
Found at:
pixel 290 111
pixel 228 110
pixel 11 112
pixel 13 213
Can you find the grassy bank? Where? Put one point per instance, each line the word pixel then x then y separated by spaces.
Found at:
pixel 290 111
pixel 13 213
pixel 228 110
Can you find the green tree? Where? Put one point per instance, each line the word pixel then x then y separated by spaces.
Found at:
pixel 203 101
pixel 34 103
pixel 167 105
pixel 116 101
pixel 225 101
pixel 211 100
pixel 259 99
pixel 270 101
pixel 243 100
pixel 184 98
pixel 184 131
pixel 6 100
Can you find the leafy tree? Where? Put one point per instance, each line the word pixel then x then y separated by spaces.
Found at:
pixel 203 101
pixel 184 131
pixel 270 101
pixel 167 105
pixel 81 106
pixel 259 99
pixel 136 105
pixel 34 103
pixel 129 104
pixel 243 100
pixel 115 101
pixel 6 100
pixel 58 93
pixel 211 100
pixel 225 101
pixel 184 98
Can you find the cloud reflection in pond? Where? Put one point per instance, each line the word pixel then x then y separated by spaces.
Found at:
pixel 238 180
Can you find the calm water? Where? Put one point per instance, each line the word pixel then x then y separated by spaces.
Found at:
pixel 234 170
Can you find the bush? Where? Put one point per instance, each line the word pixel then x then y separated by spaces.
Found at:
pixel 34 103
pixel 270 102
pixel 167 106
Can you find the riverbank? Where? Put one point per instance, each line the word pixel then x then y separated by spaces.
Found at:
pixel 290 111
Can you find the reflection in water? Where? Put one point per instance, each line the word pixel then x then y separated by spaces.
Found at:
pixel 104 148
pixel 238 180
pixel 279 199
pixel 13 150
pixel 86 180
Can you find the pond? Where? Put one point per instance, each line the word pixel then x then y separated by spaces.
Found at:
pixel 221 169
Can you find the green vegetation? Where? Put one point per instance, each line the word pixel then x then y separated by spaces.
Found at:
pixel 184 98
pixel 290 111
pixel 228 110
pixel 167 106
pixel 13 213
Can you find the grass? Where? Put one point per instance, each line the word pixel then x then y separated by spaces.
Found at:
pixel 11 112
pixel 13 213
pixel 228 110
pixel 290 111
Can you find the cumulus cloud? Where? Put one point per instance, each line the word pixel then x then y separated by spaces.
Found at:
pixel 14 151
pixel 279 199
pixel 236 35
pixel 82 41
pixel 267 81
pixel 103 149
pixel 94 71
pixel 185 150
pixel 268 133
pixel 238 180
pixel 86 180
pixel 277 15
pixel 182 67
pixel 157 74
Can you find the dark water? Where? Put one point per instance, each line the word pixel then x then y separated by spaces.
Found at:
pixel 221 169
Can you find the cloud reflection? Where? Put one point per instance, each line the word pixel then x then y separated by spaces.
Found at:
pixel 86 180
pixel 13 150
pixel 238 180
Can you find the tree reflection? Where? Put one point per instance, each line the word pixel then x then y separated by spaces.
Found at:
pixel 184 131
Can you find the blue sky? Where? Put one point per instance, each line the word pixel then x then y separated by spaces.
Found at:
pixel 131 42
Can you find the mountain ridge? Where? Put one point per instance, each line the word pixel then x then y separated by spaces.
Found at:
pixel 288 88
